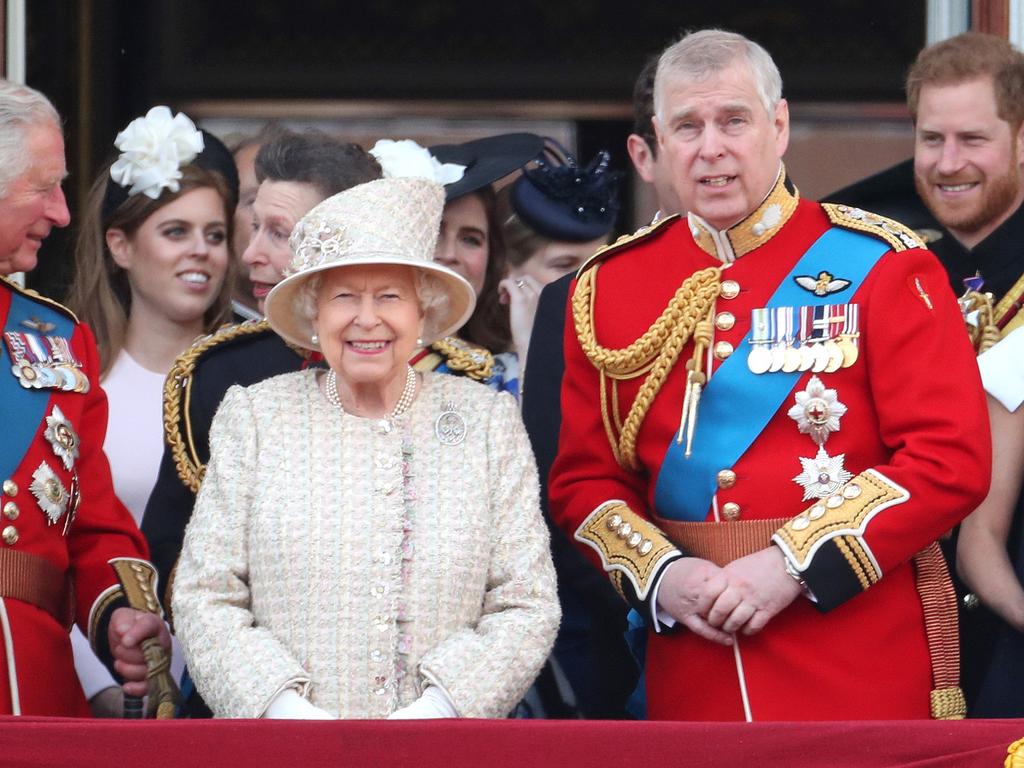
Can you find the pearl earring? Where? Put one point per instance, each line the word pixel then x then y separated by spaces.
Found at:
pixel 419 342
pixel 315 340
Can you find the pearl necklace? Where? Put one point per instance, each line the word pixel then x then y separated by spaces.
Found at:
pixel 404 401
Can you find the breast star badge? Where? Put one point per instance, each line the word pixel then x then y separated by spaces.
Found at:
pixel 62 437
pixel 823 475
pixel 817 411
pixel 49 492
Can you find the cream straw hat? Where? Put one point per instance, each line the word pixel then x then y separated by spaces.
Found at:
pixel 393 221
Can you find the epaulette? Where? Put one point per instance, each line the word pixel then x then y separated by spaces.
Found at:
pixel 36 296
pixel 464 358
pixel 178 394
pixel 646 231
pixel 898 236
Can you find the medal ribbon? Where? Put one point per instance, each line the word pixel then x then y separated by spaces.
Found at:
pixel 737 404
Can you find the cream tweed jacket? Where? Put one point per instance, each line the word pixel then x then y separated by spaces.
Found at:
pixel 356 564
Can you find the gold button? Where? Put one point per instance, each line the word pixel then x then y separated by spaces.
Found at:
pixel 10 534
pixel 730 289
pixel 726 478
pixel 731 510
pixel 723 349
pixel 10 488
pixel 11 510
pixel 724 321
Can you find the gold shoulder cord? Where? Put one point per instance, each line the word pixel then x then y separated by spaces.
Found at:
pixel 468 359
pixel 178 398
pixel 687 315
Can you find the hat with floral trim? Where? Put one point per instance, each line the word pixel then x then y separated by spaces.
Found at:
pixel 390 221
pixel 154 149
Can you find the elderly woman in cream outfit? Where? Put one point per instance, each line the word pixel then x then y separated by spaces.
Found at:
pixel 367 542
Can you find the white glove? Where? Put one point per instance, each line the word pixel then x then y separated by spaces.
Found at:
pixel 432 703
pixel 289 705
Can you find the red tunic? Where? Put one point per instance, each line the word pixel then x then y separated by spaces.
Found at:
pixel 916 414
pixel 35 650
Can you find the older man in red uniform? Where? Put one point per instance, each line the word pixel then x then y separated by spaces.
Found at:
pixel 61 527
pixel 770 416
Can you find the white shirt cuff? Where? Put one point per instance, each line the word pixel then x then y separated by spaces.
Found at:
pixel 660 618
pixel 1002 370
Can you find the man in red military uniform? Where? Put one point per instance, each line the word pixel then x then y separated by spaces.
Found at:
pixel 61 523
pixel 770 416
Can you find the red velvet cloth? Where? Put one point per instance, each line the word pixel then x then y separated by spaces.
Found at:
pixel 36 741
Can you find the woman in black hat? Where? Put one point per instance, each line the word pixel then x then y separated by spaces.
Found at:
pixel 470 242
pixel 554 217
pixel 151 262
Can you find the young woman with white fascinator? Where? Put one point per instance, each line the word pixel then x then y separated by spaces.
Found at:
pixel 151 259
pixel 367 541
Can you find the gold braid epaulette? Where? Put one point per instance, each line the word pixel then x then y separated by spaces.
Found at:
pixel 468 359
pixel 898 236
pixel 654 353
pixel 36 296
pixel 178 394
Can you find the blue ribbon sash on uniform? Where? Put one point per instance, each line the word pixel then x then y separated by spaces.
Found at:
pixel 737 404
pixel 24 409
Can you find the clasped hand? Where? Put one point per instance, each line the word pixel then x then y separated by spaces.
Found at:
pixel 716 602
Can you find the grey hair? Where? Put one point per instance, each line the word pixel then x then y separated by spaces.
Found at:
pixel 20 107
pixel 431 293
pixel 699 55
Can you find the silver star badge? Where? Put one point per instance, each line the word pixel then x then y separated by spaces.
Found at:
pixel 823 475
pixel 62 437
pixel 817 411
pixel 49 492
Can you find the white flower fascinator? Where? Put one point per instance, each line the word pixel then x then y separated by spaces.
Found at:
pixel 406 158
pixel 153 150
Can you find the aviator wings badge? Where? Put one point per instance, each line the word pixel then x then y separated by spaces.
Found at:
pixel 823 285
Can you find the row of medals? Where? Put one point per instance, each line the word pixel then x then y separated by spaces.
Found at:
pixel 45 362
pixel 819 354
pixel 825 357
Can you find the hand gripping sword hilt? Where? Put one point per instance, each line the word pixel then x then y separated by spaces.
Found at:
pixel 138 581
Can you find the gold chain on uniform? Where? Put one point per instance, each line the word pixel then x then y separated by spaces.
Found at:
pixel 654 353
pixel 177 398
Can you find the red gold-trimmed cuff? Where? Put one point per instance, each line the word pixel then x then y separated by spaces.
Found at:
pixel 631 547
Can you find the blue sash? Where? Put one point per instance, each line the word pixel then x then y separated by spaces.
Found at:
pixel 737 404
pixel 23 409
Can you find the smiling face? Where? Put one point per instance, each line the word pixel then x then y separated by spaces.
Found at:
pixel 34 202
pixel 719 145
pixel 177 258
pixel 277 208
pixel 368 320
pixel 464 241
pixel 967 160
